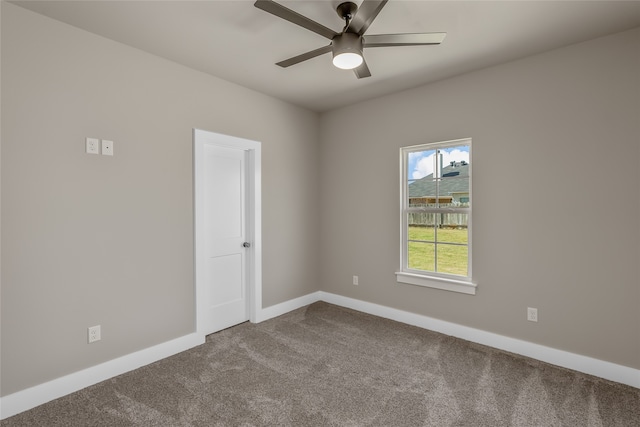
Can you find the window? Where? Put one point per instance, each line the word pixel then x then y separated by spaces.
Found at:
pixel 435 211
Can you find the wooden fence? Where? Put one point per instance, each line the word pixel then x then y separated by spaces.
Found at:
pixel 444 220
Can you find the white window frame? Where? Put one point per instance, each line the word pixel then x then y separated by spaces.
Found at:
pixel 449 282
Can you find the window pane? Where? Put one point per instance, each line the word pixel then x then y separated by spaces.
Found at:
pixel 454 185
pixel 421 256
pixel 422 187
pixel 453 228
pixel 453 259
pixel 438 177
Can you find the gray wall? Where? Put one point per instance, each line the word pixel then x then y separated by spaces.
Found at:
pixel 97 240
pixel 556 190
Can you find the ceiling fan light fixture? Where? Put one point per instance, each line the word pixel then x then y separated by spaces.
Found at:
pixel 347 51
pixel 347 60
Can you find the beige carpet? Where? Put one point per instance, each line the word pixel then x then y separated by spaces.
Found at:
pixel 323 365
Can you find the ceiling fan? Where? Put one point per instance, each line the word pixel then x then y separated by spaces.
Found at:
pixel 347 46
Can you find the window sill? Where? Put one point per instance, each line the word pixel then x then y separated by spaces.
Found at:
pixel 446 284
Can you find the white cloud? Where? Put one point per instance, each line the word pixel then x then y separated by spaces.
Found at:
pixel 423 168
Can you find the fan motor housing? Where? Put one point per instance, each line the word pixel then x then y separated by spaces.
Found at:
pixel 347 42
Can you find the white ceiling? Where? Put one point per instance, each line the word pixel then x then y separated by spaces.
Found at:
pixel 239 43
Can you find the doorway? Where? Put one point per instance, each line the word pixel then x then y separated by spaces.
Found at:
pixel 227 232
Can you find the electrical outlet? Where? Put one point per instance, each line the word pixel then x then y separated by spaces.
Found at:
pixel 355 280
pixel 92 146
pixel 532 314
pixel 94 334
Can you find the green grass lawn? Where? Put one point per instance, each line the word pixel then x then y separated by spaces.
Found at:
pixel 452 259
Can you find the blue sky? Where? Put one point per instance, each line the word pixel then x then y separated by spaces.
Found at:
pixel 421 162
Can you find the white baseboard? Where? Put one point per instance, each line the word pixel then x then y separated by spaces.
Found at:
pixel 30 398
pixel 287 306
pixel 584 364
pixel 23 400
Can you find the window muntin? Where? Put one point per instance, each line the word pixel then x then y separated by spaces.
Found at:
pixel 436 211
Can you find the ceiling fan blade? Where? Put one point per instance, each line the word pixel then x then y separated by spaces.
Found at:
pixel 365 15
pixel 363 70
pixel 419 39
pixel 280 11
pixel 303 57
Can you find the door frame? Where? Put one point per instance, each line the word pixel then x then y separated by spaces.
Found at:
pixel 253 282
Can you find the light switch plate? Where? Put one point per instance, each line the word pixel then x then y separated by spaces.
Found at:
pixel 107 147
pixel 93 146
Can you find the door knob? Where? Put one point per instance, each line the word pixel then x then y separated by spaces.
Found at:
pixel 246 245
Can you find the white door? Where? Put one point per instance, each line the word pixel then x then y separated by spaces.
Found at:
pixel 224 234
